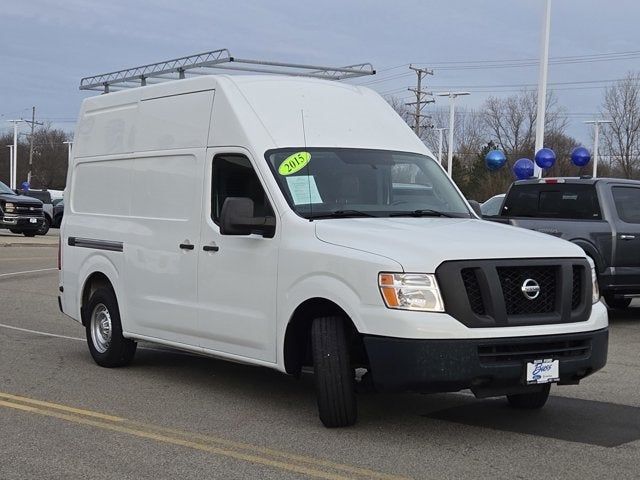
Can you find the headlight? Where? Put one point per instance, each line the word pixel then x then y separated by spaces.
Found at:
pixel 9 207
pixel 411 291
pixel 595 290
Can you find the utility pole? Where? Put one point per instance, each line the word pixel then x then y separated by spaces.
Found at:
pixel 596 134
pixel 420 98
pixel 33 125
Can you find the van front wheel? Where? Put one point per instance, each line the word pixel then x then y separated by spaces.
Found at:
pixel 334 375
pixel 104 331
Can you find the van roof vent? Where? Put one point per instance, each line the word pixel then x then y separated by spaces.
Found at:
pixel 211 62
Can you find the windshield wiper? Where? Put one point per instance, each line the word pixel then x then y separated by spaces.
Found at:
pixel 422 213
pixel 340 214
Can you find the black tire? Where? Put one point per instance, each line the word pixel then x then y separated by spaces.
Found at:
pixel 44 228
pixel 334 375
pixel 29 234
pixel 15 230
pixel 616 302
pixel 57 221
pixel 530 401
pixel 119 351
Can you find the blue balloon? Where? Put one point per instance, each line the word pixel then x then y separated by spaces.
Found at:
pixel 523 168
pixel 25 186
pixel 580 156
pixel 545 158
pixel 495 160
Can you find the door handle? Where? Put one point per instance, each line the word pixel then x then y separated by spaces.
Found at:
pixel 211 248
pixel 627 237
pixel 187 246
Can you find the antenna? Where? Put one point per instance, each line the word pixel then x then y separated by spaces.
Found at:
pixel 207 63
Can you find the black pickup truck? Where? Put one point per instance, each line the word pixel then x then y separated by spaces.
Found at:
pixel 601 215
pixel 20 214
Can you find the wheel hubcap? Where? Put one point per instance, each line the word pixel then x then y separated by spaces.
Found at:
pixel 101 328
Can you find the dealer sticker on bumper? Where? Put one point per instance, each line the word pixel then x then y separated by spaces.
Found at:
pixel 33 220
pixel 543 371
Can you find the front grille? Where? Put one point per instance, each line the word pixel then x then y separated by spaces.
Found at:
pixel 495 293
pixel 517 353
pixel 576 291
pixel 473 290
pixel 516 302
pixel 23 209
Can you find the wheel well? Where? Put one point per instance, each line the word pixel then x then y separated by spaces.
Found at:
pixel 95 281
pixel 48 216
pixel 297 340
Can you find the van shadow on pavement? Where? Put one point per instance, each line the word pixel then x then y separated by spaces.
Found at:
pixel 569 419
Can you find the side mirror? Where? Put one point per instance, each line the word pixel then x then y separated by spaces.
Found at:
pixel 475 206
pixel 236 218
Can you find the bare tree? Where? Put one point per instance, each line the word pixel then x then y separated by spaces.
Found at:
pixel 50 158
pixel 622 137
pixel 511 121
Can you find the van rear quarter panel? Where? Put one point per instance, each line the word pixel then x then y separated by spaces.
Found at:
pixel 126 167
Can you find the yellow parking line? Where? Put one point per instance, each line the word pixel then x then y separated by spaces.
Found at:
pixel 57 406
pixel 259 455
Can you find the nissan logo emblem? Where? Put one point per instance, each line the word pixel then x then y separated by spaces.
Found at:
pixel 530 289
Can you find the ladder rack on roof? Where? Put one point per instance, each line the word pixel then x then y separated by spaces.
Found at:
pixel 204 63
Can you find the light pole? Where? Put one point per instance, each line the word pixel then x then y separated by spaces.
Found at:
pixel 542 83
pixel 69 145
pixel 452 100
pixel 10 147
pixel 14 156
pixel 596 124
pixel 440 130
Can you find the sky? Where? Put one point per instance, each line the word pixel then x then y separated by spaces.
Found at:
pixel 46 46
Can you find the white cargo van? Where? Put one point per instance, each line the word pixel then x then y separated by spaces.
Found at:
pixel 291 222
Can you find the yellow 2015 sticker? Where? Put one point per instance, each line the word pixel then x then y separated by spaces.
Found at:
pixel 294 163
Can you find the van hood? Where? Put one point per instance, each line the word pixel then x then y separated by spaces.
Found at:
pixel 422 244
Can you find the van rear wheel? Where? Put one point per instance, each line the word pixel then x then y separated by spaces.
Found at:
pixel 334 375
pixel 530 401
pixel 101 317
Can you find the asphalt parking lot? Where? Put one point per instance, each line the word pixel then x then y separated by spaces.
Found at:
pixel 176 415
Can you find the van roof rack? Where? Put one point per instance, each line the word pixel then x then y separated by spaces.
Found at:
pixel 204 63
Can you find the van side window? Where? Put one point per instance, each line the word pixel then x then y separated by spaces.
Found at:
pixel 234 176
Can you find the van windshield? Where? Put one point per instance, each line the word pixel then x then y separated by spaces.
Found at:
pixel 347 182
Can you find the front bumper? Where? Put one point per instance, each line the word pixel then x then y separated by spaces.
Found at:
pixel 21 222
pixel 488 366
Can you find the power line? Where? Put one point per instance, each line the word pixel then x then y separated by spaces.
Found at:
pixel 509 63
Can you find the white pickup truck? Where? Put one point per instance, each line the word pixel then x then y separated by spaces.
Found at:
pixel 290 222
